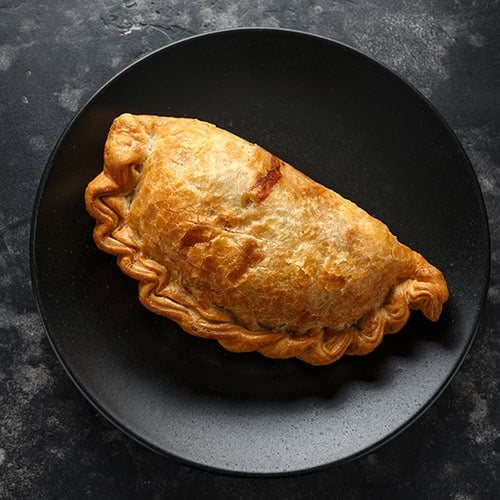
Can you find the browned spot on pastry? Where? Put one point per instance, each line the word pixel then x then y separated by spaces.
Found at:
pixel 194 235
pixel 251 255
pixel 264 184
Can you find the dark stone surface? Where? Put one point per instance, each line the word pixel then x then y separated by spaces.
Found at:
pixel 53 57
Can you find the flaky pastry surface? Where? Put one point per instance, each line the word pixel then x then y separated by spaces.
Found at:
pixel 236 245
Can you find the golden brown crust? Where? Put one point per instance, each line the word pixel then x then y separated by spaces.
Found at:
pixel 236 245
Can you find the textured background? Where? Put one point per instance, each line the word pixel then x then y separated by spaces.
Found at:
pixel 53 57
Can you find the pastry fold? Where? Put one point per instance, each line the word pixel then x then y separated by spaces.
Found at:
pixel 236 245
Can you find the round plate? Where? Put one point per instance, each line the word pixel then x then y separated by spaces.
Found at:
pixel 352 125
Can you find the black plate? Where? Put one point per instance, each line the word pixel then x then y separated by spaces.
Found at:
pixel 351 124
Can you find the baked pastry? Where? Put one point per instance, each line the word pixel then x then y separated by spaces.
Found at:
pixel 236 245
